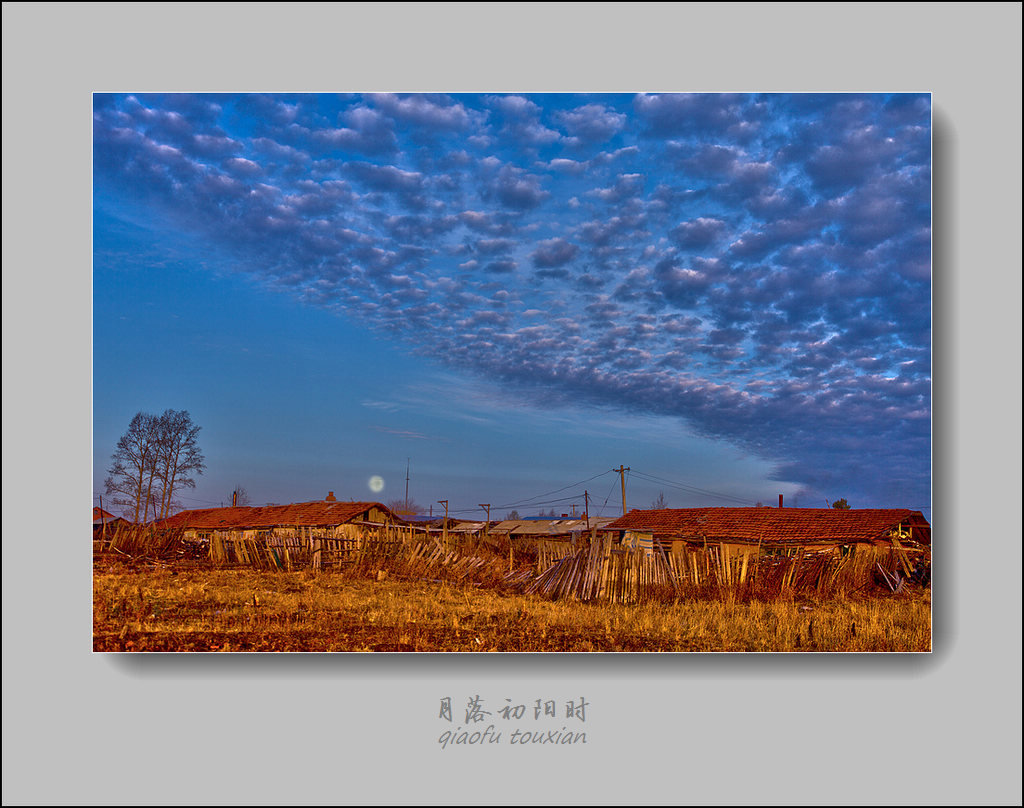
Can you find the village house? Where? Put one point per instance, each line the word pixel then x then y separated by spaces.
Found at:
pixel 773 528
pixel 326 518
pixel 774 549
pixel 104 522
pixel 565 529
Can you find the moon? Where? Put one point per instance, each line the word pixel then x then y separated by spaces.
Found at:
pixel 376 483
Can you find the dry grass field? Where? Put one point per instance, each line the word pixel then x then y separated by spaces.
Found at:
pixel 191 606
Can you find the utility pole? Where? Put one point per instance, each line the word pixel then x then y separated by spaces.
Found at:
pixel 487 524
pixel 407 483
pixel 622 478
pixel 586 505
pixel 444 525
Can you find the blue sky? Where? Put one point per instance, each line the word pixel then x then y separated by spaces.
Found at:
pixel 730 294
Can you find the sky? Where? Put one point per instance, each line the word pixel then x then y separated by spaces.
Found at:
pixel 512 295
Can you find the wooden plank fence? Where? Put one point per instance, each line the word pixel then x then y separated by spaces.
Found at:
pixel 623 574
pixel 600 568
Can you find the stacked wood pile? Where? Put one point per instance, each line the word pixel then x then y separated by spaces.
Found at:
pixel 145 541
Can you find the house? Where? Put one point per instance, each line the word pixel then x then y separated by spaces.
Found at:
pixel 104 522
pixel 772 549
pixel 565 529
pixel 775 528
pixel 318 519
pixel 546 540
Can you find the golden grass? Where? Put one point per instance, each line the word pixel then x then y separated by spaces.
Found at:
pixel 194 608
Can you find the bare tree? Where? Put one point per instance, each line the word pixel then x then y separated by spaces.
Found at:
pixel 659 503
pixel 240 497
pixel 403 507
pixel 178 457
pixel 132 464
pixel 154 459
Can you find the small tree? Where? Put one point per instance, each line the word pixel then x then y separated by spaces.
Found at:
pixel 512 515
pixel 403 507
pixel 659 503
pixel 841 504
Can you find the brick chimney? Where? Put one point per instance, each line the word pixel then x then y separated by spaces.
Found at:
pixel 780 500
pixel 330 497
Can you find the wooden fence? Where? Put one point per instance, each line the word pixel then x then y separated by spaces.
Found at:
pixel 599 568
pixel 307 548
pixel 622 574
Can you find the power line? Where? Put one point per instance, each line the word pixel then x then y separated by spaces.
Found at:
pixel 692 489
pixel 530 500
pixel 605 503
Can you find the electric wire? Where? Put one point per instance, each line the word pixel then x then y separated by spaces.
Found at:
pixel 530 500
pixel 692 489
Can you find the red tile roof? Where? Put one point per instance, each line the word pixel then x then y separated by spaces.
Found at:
pixel 774 525
pixel 321 513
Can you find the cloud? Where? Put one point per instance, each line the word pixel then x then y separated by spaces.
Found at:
pixel 514 188
pixel 501 267
pixel 367 131
pixel 758 266
pixel 435 112
pixel 521 121
pixel 698 233
pixel 689 113
pixel 593 123
pixel 553 252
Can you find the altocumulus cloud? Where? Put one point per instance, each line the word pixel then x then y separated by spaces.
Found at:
pixel 758 265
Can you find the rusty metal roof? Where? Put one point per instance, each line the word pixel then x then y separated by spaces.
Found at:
pixel 548 527
pixel 321 513
pixel 101 517
pixel 775 525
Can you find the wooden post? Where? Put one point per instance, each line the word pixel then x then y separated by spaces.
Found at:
pixel 444 525
pixel 622 479
pixel 487 525
pixel 103 521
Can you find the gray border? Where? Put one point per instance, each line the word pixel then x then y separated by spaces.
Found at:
pixel 81 728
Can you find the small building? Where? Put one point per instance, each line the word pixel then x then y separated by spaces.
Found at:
pixel 104 522
pixel 320 518
pixel 775 528
pixel 547 540
pixel 772 549
pixel 565 529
